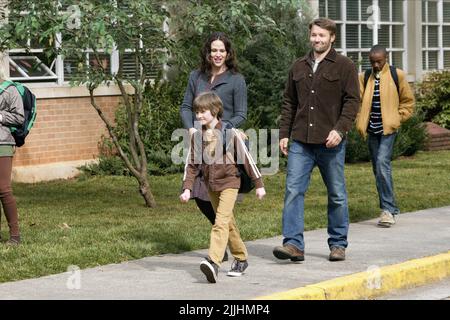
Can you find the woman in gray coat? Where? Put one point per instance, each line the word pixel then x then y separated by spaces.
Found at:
pixel 11 114
pixel 218 72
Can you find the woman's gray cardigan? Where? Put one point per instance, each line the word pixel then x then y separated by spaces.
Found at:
pixel 231 89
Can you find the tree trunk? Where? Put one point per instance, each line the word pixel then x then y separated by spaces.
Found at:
pixel 146 193
pixel 139 173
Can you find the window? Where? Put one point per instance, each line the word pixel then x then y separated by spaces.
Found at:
pixel 435 34
pixel 29 68
pixel 28 64
pixel 32 65
pixel 364 23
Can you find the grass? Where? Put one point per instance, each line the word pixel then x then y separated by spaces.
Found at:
pixel 102 220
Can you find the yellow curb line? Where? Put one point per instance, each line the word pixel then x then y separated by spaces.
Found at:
pixel 373 282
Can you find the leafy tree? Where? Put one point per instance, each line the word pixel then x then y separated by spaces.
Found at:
pixel 100 27
pixel 267 34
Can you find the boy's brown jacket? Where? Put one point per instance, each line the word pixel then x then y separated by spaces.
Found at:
pixel 395 109
pixel 220 176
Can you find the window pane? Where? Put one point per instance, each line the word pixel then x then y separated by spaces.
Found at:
pixel 352 36
pixel 383 36
pixel 366 37
pixel 397 36
pixel 447 59
pixel 446 36
pixel 14 72
pixel 397 10
pixel 71 68
pixel 397 59
pixel 102 62
pixel 354 56
pixel 322 5
pixel 424 60
pixel 29 66
pixel 432 11
pixel 338 41
pixel 129 67
pixel 432 60
pixel 352 10
pixel 446 9
pixel 432 36
pixel 365 64
pixel 424 36
pixel 334 9
pixel 365 4
pixel 384 10
pixel 424 13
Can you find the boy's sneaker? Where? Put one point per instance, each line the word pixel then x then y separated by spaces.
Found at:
pixel 210 270
pixel 237 268
pixel 387 219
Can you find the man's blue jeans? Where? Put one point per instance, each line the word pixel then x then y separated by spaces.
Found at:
pixel 302 159
pixel 381 148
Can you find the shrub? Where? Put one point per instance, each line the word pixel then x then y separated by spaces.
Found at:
pixel 410 139
pixel 433 98
pixel 411 136
pixel 357 149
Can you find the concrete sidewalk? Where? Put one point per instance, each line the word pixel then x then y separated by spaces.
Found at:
pixel 177 276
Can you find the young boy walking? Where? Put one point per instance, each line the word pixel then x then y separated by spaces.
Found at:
pixel 221 174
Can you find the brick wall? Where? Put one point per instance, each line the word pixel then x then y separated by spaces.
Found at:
pixel 438 137
pixel 66 129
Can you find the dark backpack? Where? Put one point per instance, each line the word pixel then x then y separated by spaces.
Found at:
pixel 29 109
pixel 247 183
pixel 394 76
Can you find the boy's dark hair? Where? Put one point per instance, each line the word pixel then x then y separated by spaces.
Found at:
pixel 378 48
pixel 324 23
pixel 230 62
pixel 209 101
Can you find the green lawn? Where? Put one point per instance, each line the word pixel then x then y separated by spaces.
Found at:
pixel 96 221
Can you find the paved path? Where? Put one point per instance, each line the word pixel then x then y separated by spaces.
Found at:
pixel 177 276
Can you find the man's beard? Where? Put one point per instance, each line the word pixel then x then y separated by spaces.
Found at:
pixel 321 49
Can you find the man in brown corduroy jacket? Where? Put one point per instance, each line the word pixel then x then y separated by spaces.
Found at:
pixel 320 102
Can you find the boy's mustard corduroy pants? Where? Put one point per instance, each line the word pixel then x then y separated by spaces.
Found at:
pixel 224 230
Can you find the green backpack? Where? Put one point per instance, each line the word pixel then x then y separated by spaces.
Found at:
pixel 29 108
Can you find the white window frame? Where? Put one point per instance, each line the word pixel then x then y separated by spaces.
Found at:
pixel 425 26
pixel 443 24
pixel 344 23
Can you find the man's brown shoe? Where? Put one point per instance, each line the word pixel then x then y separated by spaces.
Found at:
pixel 337 254
pixel 289 251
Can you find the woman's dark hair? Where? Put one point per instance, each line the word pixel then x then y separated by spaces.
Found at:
pixel 205 53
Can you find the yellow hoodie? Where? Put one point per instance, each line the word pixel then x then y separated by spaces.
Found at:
pixel 394 109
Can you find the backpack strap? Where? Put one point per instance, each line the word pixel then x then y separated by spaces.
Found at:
pixel 367 76
pixel 5 85
pixel 394 76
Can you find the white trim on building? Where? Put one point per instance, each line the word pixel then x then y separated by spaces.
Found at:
pixel 416 33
